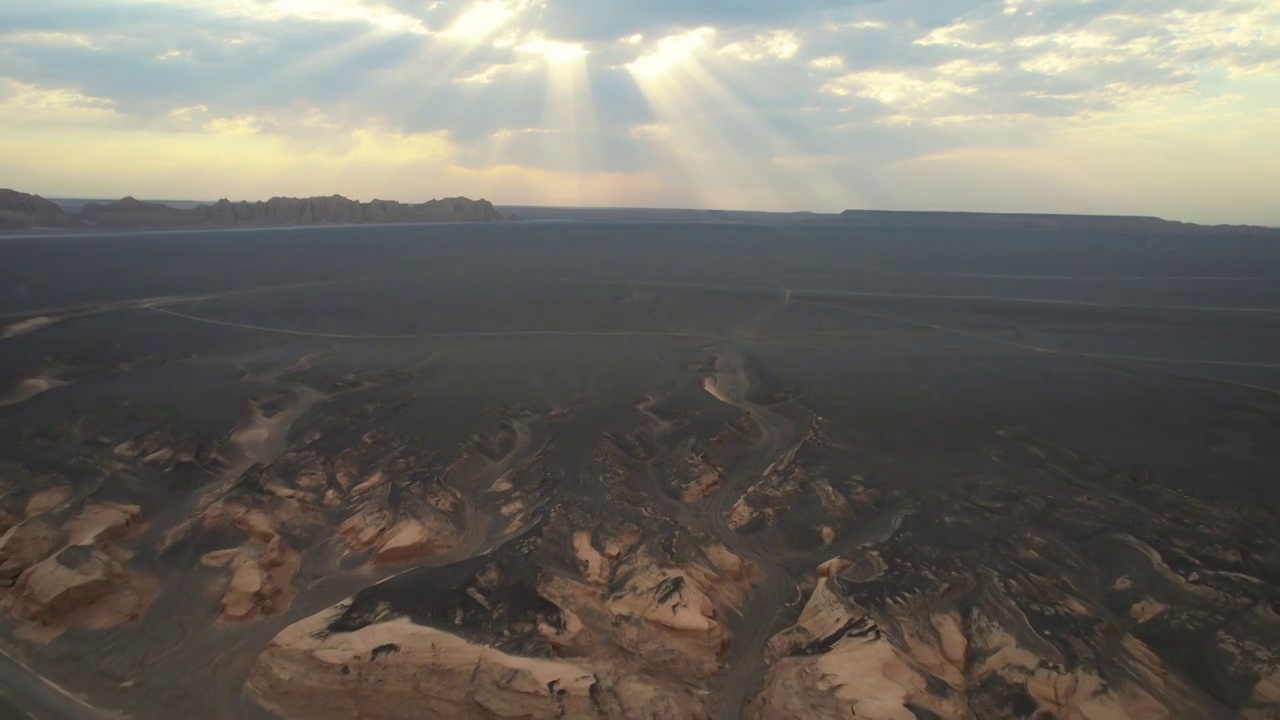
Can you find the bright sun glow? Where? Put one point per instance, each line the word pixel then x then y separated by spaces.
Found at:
pixel 328 10
pixel 555 52
pixel 670 52
pixel 483 19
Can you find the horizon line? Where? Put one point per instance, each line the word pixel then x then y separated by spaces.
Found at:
pixel 674 208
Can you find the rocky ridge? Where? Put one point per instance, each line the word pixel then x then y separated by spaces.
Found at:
pixel 21 210
pixel 1123 224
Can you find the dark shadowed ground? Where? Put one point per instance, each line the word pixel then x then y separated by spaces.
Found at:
pixel 1066 421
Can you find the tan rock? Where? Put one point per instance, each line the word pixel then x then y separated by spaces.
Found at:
pixel 1145 610
pixel 23 545
pixel 371 482
pixel 395 669
pixel 21 210
pixel 78 587
pixel 593 564
pixel 219 558
pixel 364 529
pixel 47 500
pixel 1264 702
pixel 102 522
pixel 729 564
pixel 248 589
pixel 741 513
pixel 259 579
pixel 412 539
pixel 828 535
pixel 76 576
pixel 665 612
pixel 255 524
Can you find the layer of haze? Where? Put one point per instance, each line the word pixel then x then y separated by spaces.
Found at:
pixel 1108 106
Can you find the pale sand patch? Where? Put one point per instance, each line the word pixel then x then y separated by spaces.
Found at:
pixel 592 562
pixel 219 558
pixel 1145 610
pixel 102 522
pixel 729 564
pixel 713 388
pixel 943 654
pixel 23 545
pixel 29 325
pixel 411 539
pixel 1265 698
pixel 30 388
pixel 47 500
pixel 373 481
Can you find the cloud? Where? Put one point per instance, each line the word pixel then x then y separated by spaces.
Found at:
pixel 24 105
pixel 771 104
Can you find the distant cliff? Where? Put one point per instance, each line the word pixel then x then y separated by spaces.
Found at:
pixel 20 210
pixel 1036 221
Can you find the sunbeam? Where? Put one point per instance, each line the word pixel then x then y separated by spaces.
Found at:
pixel 794 181
pixel 441 55
pixel 573 140
pixel 724 148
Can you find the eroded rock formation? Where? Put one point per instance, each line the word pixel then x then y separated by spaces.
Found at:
pixel 21 210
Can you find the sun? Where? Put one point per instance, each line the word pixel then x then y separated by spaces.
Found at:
pixel 553 51
pixel 669 53
pixel 483 19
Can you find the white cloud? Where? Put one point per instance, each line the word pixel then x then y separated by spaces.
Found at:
pixel 23 104
pixel 173 55
pixel 373 13
pixel 900 90
pixel 39 37
pixel 775 45
pixel 671 51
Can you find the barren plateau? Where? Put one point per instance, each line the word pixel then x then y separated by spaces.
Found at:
pixel 640 470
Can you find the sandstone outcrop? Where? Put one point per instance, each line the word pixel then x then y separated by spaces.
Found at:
pixel 259 572
pixel 629 635
pixel 73 575
pixel 395 669
pixel 915 656
pixel 412 538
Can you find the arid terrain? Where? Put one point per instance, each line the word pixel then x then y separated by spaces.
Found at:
pixel 640 470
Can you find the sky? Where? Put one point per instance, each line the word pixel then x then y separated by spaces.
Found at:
pixel 1168 107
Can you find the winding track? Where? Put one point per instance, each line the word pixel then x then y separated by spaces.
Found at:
pixel 745 662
